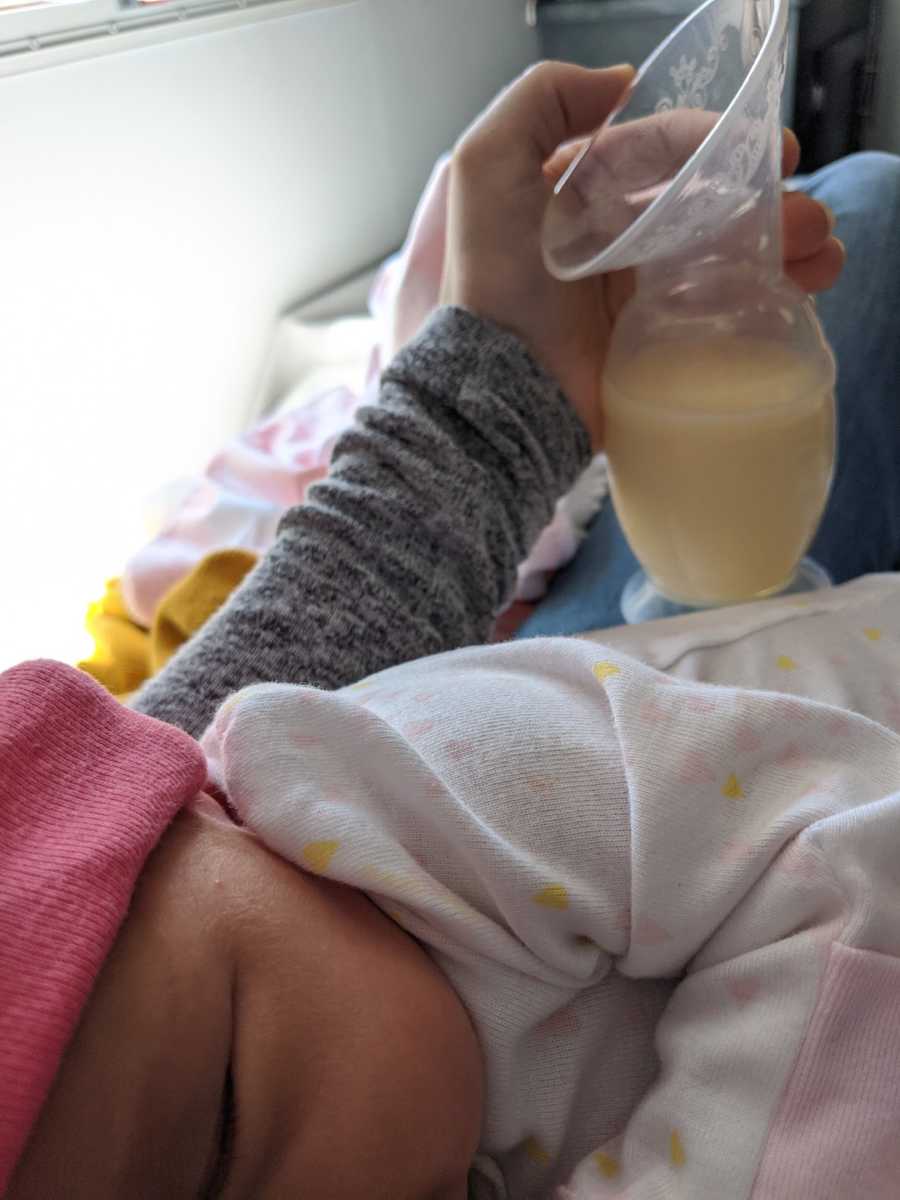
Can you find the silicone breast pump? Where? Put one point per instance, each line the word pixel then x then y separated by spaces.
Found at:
pixel 719 385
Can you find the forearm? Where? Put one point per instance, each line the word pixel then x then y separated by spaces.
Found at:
pixel 410 547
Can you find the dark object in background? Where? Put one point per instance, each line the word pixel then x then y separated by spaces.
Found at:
pixel 836 68
pixel 601 33
pixel 831 71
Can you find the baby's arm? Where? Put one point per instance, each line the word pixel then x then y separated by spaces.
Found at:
pixel 410 547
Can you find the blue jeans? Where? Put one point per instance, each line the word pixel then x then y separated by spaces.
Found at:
pixel 860 532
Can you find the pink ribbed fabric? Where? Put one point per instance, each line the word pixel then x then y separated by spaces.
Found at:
pixel 835 1135
pixel 86 790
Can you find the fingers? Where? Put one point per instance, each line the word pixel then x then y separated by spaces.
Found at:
pixel 807 226
pixel 813 258
pixel 790 158
pixel 822 271
pixel 573 100
pixel 552 103
pixel 560 161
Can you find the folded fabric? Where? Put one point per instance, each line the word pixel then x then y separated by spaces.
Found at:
pixel 125 654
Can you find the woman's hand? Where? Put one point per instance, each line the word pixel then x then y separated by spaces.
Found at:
pixel 503 173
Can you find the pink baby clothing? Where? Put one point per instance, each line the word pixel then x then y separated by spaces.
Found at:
pixel 669 898
pixel 87 789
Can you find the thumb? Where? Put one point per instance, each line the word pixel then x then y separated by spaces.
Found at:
pixel 555 102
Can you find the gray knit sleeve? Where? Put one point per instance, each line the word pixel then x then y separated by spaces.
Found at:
pixel 411 544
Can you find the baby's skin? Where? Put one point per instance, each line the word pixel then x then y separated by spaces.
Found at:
pixel 259 1033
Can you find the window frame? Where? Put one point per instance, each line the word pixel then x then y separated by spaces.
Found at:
pixel 44 35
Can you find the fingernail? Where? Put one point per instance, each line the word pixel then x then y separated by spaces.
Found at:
pixel 842 246
pixel 832 217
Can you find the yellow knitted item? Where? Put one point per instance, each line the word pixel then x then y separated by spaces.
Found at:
pixel 125 654
pixel 120 661
pixel 189 604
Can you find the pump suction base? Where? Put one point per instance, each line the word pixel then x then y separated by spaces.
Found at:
pixel 643 601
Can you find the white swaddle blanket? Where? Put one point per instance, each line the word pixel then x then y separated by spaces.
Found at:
pixel 671 907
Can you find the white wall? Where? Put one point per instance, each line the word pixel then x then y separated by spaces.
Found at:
pixel 885 132
pixel 159 207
